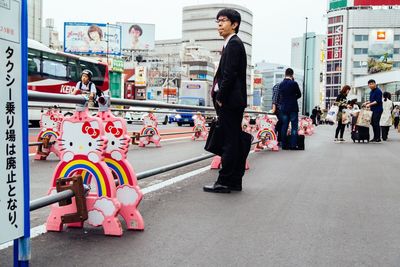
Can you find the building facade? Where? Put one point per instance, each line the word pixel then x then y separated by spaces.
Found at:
pixel 271 74
pixel 35 15
pixel 312 57
pixel 199 26
pixel 363 39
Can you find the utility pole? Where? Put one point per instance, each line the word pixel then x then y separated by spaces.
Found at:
pixel 305 70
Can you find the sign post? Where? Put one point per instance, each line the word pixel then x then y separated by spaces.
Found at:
pixel 14 172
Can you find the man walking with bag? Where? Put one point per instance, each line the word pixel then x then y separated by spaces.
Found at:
pixel 229 95
pixel 375 104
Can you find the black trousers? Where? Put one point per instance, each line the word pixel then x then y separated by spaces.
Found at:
pixel 278 127
pixel 385 132
pixel 340 128
pixel 376 117
pixel 233 159
pixel 396 122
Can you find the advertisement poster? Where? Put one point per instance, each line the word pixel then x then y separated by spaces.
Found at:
pixel 92 38
pixel 137 36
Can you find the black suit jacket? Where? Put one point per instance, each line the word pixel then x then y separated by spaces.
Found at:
pixel 231 76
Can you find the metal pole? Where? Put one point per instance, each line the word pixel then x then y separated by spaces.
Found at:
pixel 79 99
pixel 304 69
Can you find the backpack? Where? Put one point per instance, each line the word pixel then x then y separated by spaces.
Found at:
pixel 96 96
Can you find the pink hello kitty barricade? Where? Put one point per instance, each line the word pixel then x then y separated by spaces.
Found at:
pixel 306 126
pixel 199 128
pixel 266 134
pixel 82 146
pixel 150 128
pixel 128 192
pixel 50 123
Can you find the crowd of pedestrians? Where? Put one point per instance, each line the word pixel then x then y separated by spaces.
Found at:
pixel 379 113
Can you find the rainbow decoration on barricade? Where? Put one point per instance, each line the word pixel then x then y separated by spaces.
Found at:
pixel 199 128
pixel 150 128
pixel 128 192
pixel 266 134
pixel 50 123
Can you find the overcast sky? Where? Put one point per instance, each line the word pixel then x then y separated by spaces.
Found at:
pixel 275 22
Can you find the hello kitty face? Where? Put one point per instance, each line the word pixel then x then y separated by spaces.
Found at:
pixel 50 121
pixel 198 120
pixel 148 121
pixel 81 138
pixel 118 143
pixel 265 124
pixel 305 123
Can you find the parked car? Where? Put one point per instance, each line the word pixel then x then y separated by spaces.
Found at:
pixel 137 113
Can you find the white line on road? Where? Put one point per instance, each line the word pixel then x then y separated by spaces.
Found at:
pixel 41 229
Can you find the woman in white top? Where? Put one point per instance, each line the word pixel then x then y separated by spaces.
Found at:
pixel 386 118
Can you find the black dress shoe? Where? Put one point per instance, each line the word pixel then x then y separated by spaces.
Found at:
pixel 216 188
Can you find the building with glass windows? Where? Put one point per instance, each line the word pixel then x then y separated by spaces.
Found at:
pixel 363 39
pixel 272 74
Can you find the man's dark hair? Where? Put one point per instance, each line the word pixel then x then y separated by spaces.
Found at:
pixel 137 28
pixel 232 15
pixel 289 72
pixel 371 81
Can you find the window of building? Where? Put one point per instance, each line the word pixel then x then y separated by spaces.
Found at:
pixel 360 64
pixel 333 78
pixel 337 19
pixel 396 51
pixel 360 51
pixel 360 38
pixel 396 64
pixel 335 65
pixel 397 37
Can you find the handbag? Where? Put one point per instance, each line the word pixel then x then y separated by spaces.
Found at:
pixel 332 114
pixel 345 118
pixel 214 140
pixel 364 118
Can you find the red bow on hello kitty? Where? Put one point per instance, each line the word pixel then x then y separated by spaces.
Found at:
pixel 87 129
pixel 110 128
pixel 55 118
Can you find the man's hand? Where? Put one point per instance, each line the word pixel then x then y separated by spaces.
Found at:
pixel 219 103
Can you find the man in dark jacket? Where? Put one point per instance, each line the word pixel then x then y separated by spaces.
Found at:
pixel 289 92
pixel 376 106
pixel 229 95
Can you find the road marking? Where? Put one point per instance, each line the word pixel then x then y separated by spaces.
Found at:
pixel 174 180
pixel 41 229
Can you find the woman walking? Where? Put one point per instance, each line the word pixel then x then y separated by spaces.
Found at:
pixel 386 118
pixel 341 102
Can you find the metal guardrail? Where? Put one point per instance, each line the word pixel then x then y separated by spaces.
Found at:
pixel 68 194
pixel 79 99
pixel 113 109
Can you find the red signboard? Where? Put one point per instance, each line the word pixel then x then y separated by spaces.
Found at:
pixel 376 2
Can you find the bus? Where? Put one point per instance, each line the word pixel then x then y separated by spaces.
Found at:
pixel 55 72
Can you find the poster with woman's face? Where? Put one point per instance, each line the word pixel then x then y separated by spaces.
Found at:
pixel 92 38
pixel 137 36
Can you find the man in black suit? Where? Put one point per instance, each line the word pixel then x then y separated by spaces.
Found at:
pixel 229 95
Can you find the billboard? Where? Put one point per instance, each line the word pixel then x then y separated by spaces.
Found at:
pixel 335 4
pixel 137 36
pixel 92 38
pixel 140 76
pixel 380 51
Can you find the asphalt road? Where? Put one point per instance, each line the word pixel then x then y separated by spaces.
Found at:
pixel 331 205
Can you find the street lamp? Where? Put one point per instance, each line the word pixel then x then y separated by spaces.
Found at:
pixel 305 68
